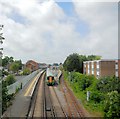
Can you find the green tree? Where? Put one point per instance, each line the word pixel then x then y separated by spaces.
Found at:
pixel 10 79
pixel 7 60
pixel 19 62
pixel 72 63
pixel 93 57
pixel 14 67
pixel 1 34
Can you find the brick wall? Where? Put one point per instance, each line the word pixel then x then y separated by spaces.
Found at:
pixel 107 68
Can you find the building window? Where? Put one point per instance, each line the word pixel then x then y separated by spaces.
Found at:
pixel 116 73
pixel 88 68
pixel 97 64
pixel 98 73
pixel 97 76
pixel 116 66
pixel 92 71
pixel 97 69
pixel 92 67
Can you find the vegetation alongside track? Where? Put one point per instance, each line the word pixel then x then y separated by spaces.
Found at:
pixel 104 93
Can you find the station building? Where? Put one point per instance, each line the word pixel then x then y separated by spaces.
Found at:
pixel 102 68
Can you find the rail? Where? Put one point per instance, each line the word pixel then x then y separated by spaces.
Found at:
pixel 65 114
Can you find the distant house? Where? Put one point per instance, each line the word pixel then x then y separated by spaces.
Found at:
pixel 102 68
pixel 32 65
pixel 42 65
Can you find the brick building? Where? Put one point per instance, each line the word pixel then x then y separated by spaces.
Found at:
pixel 32 65
pixel 102 68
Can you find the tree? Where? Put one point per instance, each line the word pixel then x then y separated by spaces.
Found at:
pixel 93 57
pixel 82 58
pixel 7 60
pixel 72 63
pixel 14 67
pixel 19 62
pixel 1 34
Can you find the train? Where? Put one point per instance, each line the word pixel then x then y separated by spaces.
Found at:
pixel 50 79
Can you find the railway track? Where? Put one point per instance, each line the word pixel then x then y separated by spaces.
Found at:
pixel 42 103
pixel 73 106
pixel 46 103
pixel 61 107
pixel 79 113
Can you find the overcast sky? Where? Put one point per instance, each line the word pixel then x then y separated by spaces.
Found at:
pixel 49 31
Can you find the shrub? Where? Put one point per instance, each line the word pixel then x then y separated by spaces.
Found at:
pixel 26 71
pixel 85 83
pixel 112 105
pixel 96 96
pixel 5 73
pixel 10 79
pixel 108 84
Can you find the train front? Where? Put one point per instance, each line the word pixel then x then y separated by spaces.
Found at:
pixel 50 77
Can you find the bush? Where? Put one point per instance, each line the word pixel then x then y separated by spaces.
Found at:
pixel 26 71
pixel 104 92
pixel 108 84
pixel 112 105
pixel 96 96
pixel 10 79
pixel 4 96
pixel 5 73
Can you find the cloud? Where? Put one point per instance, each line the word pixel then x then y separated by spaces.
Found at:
pixel 43 32
pixel 103 22
pixel 26 40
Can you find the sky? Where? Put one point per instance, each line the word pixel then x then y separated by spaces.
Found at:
pixel 48 31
